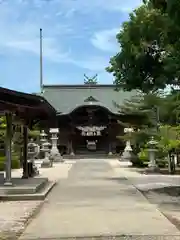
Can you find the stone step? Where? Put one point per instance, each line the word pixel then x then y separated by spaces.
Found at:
pixel 38 196
pixel 88 155
pixel 25 189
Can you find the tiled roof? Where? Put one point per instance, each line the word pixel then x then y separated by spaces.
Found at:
pixel 66 98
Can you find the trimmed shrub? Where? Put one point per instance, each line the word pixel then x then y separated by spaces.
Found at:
pixel 162 163
pixel 141 160
pixel 15 164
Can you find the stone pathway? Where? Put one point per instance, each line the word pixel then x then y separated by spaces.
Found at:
pixel 14 215
pixel 97 200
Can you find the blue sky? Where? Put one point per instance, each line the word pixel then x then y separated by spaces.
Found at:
pixel 78 38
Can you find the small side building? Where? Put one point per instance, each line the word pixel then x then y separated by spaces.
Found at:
pixel 87 117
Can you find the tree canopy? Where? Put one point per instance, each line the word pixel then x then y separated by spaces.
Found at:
pixel 149 54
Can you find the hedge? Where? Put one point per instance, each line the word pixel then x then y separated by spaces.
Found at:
pixel 15 163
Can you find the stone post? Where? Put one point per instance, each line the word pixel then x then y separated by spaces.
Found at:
pixel 55 155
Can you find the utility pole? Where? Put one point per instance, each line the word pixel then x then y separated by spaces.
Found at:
pixel 41 63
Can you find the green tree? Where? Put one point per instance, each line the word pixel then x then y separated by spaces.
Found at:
pixel 170 111
pixel 141 62
pixel 2 128
pixel 171 8
pixel 144 110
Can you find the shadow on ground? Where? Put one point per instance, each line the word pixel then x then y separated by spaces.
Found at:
pixel 167 200
pixel 170 190
pixel 117 179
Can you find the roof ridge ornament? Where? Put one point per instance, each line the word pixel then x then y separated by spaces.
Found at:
pixel 90 80
pixel 91 99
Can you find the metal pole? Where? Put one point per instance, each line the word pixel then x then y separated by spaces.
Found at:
pixel 8 180
pixel 41 62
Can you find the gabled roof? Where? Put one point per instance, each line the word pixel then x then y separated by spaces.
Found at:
pixel 66 98
pixel 91 99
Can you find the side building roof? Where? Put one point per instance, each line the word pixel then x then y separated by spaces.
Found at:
pixel 25 104
pixel 67 98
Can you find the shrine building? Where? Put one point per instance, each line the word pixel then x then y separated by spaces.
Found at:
pixel 88 117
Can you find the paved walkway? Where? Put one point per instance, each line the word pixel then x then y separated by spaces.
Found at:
pixel 97 200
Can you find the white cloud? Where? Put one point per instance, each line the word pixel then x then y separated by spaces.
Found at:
pixel 89 6
pixel 95 63
pixel 105 40
pixel 22 35
pixel 20 21
pixel 32 46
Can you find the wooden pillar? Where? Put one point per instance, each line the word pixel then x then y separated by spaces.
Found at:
pixel 72 140
pixel 25 143
pixel 110 147
pixel 110 138
pixel 72 148
pixel 8 180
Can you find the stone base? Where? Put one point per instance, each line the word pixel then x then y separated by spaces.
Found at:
pixel 23 186
pixel 46 163
pixel 8 184
pixel 55 156
pixel 127 156
pixel 26 189
pixel 152 169
pixel 58 158
pixel 68 156
pixel 125 164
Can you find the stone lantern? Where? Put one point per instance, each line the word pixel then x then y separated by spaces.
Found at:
pixel 33 151
pixel 46 149
pixel 55 155
pixel 43 139
pixel 152 149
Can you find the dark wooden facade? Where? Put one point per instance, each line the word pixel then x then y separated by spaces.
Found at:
pixel 72 139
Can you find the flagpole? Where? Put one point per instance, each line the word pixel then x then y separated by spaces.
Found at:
pixel 41 63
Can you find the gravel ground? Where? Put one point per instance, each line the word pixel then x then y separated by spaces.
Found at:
pixel 14 217
pixel 127 237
